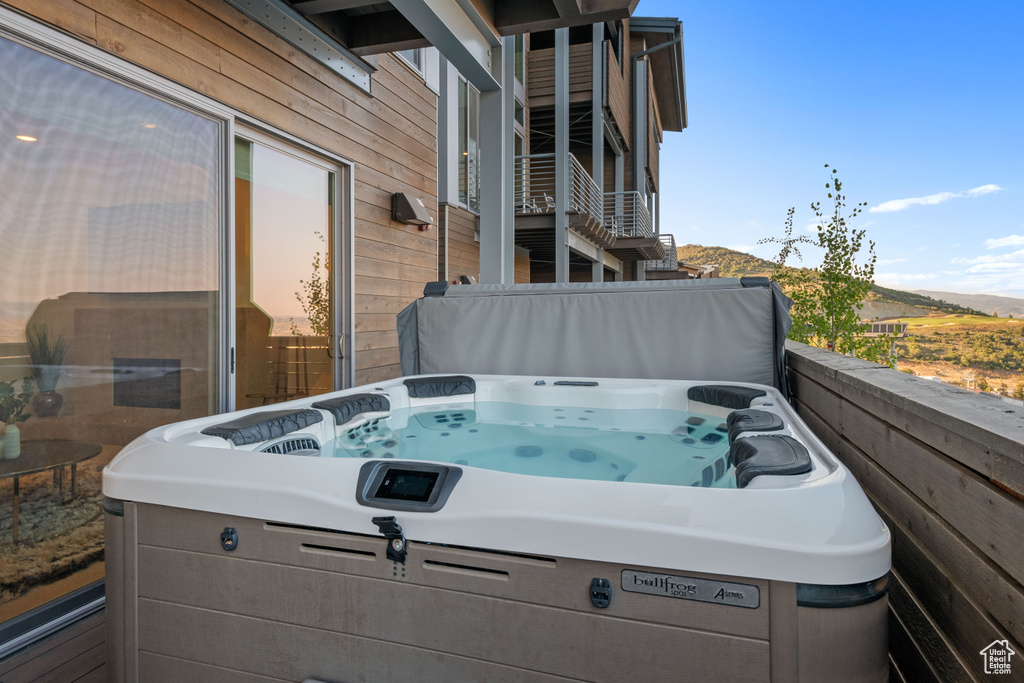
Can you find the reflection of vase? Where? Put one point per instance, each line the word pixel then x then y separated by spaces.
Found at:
pixel 47 403
pixel 12 442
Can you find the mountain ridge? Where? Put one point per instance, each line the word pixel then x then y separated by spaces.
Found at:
pixel 990 303
pixel 882 302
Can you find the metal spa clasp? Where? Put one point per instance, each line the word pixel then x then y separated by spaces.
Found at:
pixel 392 531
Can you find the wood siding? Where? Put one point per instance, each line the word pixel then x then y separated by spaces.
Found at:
pixel 211 48
pixel 463 251
pixel 618 100
pixel 654 131
pixel 541 65
pixel 945 469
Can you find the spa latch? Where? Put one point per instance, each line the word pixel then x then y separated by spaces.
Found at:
pixel 600 592
pixel 392 531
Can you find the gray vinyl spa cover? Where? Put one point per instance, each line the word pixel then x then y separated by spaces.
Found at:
pixel 721 329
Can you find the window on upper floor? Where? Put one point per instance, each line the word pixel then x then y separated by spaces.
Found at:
pixel 415 58
pixel 520 59
pixel 469 145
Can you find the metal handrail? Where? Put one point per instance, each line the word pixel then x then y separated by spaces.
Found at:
pixel 626 215
pixel 535 181
pixel 671 260
pixel 584 196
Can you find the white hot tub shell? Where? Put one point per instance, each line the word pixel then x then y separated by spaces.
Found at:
pixel 226 562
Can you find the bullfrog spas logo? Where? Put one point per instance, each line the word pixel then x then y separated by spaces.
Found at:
pixel 997 657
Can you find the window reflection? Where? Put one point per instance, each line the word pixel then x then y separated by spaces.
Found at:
pixel 110 225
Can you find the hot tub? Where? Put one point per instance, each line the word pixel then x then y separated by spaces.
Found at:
pixel 500 528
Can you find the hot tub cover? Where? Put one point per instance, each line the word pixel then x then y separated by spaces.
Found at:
pixel 722 329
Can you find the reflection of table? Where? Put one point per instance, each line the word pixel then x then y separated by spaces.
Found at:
pixel 40 455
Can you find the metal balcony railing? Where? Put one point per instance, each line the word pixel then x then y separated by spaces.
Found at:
pixel 535 181
pixel 626 215
pixel 671 260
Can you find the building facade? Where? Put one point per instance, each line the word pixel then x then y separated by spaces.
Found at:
pixel 589 110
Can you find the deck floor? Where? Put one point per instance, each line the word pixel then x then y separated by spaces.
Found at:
pixel 77 654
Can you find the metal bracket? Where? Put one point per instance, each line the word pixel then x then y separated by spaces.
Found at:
pixel 392 531
pixel 279 17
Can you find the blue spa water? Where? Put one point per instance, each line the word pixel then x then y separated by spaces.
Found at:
pixel 645 446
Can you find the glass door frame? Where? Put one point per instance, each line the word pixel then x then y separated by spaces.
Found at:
pixel 342 237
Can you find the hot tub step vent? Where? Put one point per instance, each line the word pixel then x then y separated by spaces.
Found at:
pixel 297 446
pixel 465 568
pixel 306 547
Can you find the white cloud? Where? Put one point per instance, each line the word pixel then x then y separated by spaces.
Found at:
pixel 989 261
pixel 902 204
pixel 983 190
pixel 890 279
pixel 932 199
pixel 889 261
pixel 1010 241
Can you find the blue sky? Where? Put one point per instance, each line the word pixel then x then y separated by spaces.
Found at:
pixel 920 105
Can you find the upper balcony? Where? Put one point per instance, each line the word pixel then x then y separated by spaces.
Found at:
pixel 628 218
pixel 671 261
pixel 535 192
pixel 618 222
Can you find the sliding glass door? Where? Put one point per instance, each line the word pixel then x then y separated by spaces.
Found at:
pixel 287 244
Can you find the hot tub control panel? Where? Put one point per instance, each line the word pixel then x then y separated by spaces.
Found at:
pixel 403 485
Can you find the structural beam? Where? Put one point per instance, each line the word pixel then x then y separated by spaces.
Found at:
pixel 282 19
pixel 383 32
pixel 568 9
pixel 531 16
pixel 446 25
pixel 323 6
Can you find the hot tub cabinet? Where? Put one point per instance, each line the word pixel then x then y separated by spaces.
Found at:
pixel 495 528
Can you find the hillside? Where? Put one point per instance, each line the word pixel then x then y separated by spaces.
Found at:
pixel 881 302
pixel 731 263
pixel 990 304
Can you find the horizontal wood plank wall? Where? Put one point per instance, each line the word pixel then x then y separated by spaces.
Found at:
pixel 463 249
pixel 391 136
pixel 653 130
pixel 541 64
pixel 617 94
pixel 945 469
pixel 76 654
pixel 521 268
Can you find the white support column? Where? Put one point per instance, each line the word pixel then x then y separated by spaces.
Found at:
pixel 497 220
pixel 640 126
pixel 597 268
pixel 561 154
pixel 657 213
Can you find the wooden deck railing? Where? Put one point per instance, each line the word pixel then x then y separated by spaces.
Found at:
pixel 945 469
